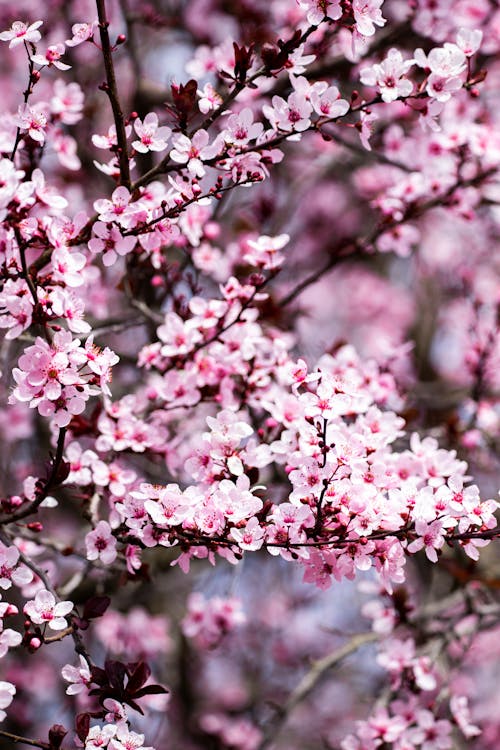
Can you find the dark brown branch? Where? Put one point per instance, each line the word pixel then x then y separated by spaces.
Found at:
pixel 112 91
pixel 24 740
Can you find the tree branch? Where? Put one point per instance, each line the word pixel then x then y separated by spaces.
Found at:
pixel 112 91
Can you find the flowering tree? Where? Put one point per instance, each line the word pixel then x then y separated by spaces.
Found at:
pixel 275 225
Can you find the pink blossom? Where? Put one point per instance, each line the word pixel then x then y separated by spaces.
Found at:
pixel 81 32
pixel 367 15
pixel 79 677
pixel 389 76
pixel 151 137
pixel 7 692
pixel 21 32
pixel 318 10
pixel 44 609
pixel 101 544
pixel 52 56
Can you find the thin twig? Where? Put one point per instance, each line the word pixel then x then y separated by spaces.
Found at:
pixel 310 680
pixel 112 91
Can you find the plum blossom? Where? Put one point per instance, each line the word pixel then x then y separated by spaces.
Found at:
pixel 79 677
pixel 151 137
pixel 389 76
pixel 110 242
pixel 52 56
pixel 11 570
pixel 101 544
pixel 99 737
pixel 446 64
pixel 469 41
pixel 264 252
pixel 33 120
pixel 290 115
pixel 318 10
pixel 367 15
pixel 7 693
pixel 192 151
pixel 20 32
pixel 44 609
pixel 81 33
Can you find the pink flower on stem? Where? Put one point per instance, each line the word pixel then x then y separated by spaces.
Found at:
pixel 33 120
pixel 7 692
pixel 389 76
pixel 79 677
pixel 81 32
pixel 44 609
pixel 192 152
pixel 151 137
pixel 20 32
pixel 110 242
pixel 318 10
pixel 367 15
pixel 430 538
pixel 11 572
pixel 52 56
pixel 251 536
pixel 101 544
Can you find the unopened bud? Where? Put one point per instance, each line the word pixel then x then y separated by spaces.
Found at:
pixel 35 526
pixel 120 39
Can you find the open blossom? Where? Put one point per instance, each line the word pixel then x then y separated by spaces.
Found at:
pixel 51 56
pixel 240 128
pixel 151 136
pixel 81 32
pixel 44 610
pixel 367 15
pixel 264 252
pixel 446 64
pixel 7 693
pixel 33 120
pixel 101 544
pixel 21 32
pixel 192 151
pixel 389 76
pixel 317 10
pixel 99 737
pixel 117 209
pixel 124 739
pixel 110 242
pixel 469 41
pixel 11 570
pixel 290 115
pixel 79 677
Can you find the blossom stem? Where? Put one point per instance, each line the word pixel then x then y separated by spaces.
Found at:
pixel 24 740
pixel 111 90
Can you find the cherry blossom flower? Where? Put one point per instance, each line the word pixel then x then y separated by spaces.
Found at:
pixel 33 120
pixel 263 252
pixel 318 10
pixel 21 32
pixel 7 693
pixel 151 137
pixel 389 76
pixel 192 152
pixel 51 56
pixel 44 609
pixel 11 571
pixel 81 33
pixel 101 544
pixel 79 677
pixel 367 15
